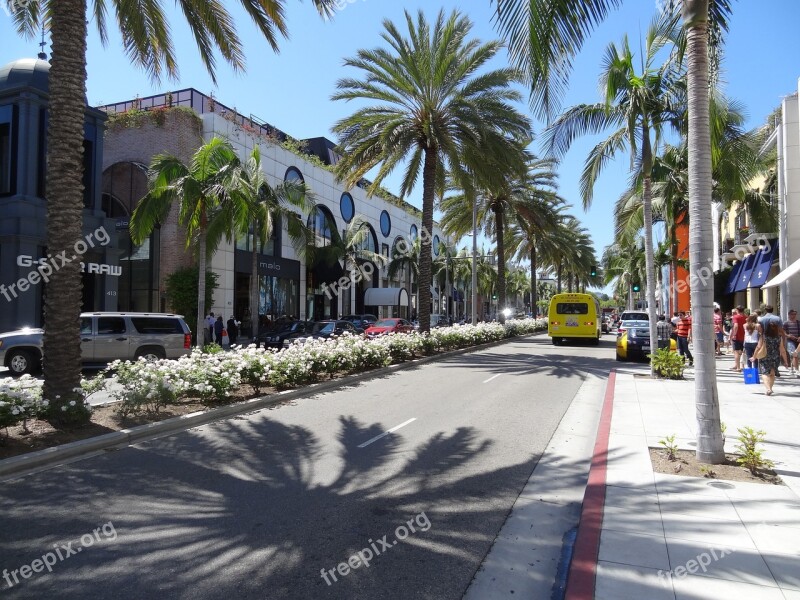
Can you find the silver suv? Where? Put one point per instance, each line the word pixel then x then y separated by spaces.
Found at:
pixel 105 336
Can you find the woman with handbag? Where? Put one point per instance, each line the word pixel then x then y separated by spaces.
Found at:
pixel 770 351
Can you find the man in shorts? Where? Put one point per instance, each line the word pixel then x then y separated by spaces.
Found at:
pixel 737 336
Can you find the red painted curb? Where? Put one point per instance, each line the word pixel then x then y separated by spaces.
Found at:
pixel 583 568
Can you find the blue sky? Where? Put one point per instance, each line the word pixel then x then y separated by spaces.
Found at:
pixel 292 89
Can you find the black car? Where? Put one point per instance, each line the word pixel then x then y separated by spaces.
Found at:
pixel 361 321
pixel 274 337
pixel 324 329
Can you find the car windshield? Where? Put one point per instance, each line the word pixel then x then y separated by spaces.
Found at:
pixel 386 323
pixel 324 327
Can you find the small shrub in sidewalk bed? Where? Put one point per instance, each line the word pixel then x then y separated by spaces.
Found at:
pixel 667 364
pixel 752 458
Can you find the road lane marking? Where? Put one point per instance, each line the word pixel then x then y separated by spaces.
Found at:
pixel 385 433
pixel 492 377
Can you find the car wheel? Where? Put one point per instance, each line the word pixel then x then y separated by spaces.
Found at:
pixel 596 341
pixel 556 342
pixel 21 362
pixel 619 358
pixel 150 353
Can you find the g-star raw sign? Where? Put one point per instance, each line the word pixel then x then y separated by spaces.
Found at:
pixel 94 268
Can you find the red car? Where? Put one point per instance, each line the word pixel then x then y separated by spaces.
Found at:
pixel 384 326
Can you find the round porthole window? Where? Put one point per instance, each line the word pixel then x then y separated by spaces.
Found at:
pixel 347 207
pixel 293 174
pixel 386 224
pixel 414 233
pixel 436 244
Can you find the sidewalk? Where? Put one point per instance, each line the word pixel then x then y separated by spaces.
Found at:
pixel 681 538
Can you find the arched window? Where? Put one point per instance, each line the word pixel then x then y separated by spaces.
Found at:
pixel 293 174
pixel 322 223
pixel 370 241
pixel 436 243
pixel 414 233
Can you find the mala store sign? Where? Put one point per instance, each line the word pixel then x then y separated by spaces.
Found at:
pixel 92 268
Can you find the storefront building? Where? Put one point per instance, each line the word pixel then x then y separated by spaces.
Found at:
pixel 24 97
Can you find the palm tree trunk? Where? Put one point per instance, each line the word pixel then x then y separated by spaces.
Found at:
pixel 426 238
pixel 254 299
pixel 709 435
pixel 558 279
pixel 501 265
pixel 534 298
pixel 649 260
pixel 201 284
pixel 62 304
pixel 674 244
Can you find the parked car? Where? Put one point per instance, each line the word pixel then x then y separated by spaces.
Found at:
pixel 322 330
pixel 633 343
pixel 385 326
pixel 274 337
pixel 361 321
pixel 105 337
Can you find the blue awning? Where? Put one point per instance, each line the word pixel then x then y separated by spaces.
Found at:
pixel 744 275
pixel 763 264
pixel 736 270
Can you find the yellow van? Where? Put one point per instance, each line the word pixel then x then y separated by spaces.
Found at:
pixel 572 317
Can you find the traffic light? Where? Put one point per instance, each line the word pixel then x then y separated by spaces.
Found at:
pixel 593 271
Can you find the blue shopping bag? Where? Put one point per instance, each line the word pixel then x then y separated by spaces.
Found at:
pixel 751 375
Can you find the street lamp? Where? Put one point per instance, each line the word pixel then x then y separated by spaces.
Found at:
pixel 474 259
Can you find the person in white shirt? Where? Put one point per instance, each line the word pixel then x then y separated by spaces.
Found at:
pixel 751 339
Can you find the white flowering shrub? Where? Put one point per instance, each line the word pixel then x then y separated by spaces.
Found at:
pixel 20 400
pixel 255 365
pixel 146 386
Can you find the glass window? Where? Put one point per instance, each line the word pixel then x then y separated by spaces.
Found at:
pixel 86 326
pixel 414 233
pixel 386 224
pixel 7 151
pixel 293 174
pixel 370 241
pixel 436 244
pixel 88 174
pixel 156 325
pixel 347 207
pixel 321 223
pixel 110 325
pixel 572 308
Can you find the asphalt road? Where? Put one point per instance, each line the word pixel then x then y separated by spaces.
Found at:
pixel 257 506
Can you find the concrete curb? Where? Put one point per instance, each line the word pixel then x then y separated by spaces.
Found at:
pixel 583 568
pixel 125 437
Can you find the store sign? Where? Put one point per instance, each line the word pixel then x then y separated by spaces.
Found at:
pixel 93 268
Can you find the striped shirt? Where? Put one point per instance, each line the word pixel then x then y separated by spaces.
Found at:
pixel 684 326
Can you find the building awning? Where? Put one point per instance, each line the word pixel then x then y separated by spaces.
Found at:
pixel 790 271
pixel 744 275
pixel 763 264
pixel 736 270
pixel 386 297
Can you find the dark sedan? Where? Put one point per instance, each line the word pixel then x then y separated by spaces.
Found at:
pixel 274 337
pixel 322 330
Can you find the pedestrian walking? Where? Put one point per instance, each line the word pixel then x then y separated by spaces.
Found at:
pixel 737 337
pixel 664 332
pixel 792 329
pixel 751 337
pixel 209 332
pixel 218 327
pixel 233 330
pixel 684 337
pixel 772 336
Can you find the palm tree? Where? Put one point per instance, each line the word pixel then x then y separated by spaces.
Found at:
pixel 432 110
pixel 637 105
pixel 544 36
pixel 258 210
pixel 147 40
pixel 350 247
pixel 203 189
